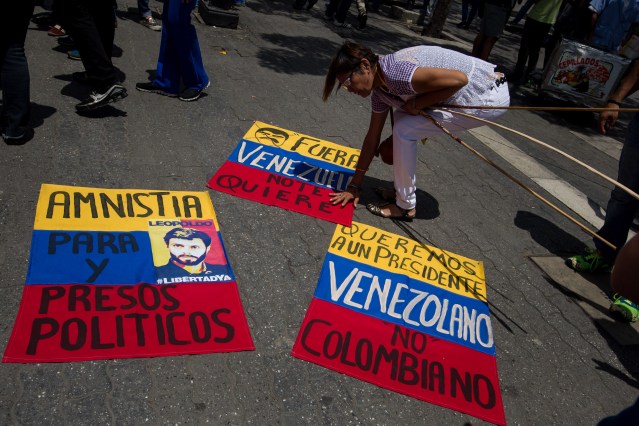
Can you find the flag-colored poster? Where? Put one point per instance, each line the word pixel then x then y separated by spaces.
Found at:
pixel 407 317
pixel 119 273
pixel 296 172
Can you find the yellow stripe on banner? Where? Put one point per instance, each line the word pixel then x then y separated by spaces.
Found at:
pixel 396 254
pixel 270 135
pixel 76 208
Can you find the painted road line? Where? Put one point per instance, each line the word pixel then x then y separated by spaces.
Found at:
pixel 558 188
pixel 608 146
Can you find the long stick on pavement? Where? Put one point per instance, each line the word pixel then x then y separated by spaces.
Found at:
pixel 541 108
pixel 520 183
pixel 552 148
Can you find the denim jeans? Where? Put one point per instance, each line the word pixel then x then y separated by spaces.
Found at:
pixel 622 207
pixel 143 8
pixel 14 70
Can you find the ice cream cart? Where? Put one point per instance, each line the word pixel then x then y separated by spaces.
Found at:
pixel 581 74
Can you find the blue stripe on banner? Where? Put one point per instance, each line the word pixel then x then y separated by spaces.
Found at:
pixel 291 164
pixel 90 257
pixel 410 303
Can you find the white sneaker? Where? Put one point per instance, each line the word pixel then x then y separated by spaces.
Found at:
pixel 151 23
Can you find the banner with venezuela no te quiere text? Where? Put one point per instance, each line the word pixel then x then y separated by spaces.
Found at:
pixel 407 317
pixel 296 172
pixel 120 273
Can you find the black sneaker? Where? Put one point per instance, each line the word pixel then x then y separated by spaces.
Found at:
pixel 152 88
pixel 192 94
pixel 96 100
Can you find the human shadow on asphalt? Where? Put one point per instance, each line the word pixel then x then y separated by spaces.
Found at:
pixel 548 235
pixel 627 355
pixel 562 244
pixel 427 205
pixel 39 113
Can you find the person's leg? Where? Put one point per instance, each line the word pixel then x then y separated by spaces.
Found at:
pixel 622 207
pixel 167 76
pixel 492 26
pixel 464 12
pixel 409 129
pixel 478 44
pixel 342 10
pixel 80 23
pixel 14 70
pixel 331 7
pixel 189 56
pixel 524 50
pixel 362 16
pixel 102 13
pixel 539 32
pixel 487 47
pixel 143 8
pixel 474 8
pixel 523 11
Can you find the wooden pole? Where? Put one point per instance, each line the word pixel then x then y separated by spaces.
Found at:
pixel 520 183
pixel 542 108
pixel 552 148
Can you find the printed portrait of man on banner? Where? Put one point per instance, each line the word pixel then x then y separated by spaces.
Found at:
pixel 190 254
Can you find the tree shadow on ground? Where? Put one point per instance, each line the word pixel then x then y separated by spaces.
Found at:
pixel 312 55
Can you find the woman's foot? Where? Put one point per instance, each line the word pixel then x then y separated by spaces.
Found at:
pixel 392 211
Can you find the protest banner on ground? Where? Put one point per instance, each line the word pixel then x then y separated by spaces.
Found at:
pixel 296 172
pixel 118 273
pixel 407 317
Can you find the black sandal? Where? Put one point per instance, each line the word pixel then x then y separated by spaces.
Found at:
pixel 376 209
pixel 386 194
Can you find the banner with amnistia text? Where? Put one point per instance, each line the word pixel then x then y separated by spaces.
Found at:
pixel 119 273
pixel 296 172
pixel 407 317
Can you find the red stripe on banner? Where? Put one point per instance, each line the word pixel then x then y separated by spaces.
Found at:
pixel 58 323
pixel 280 191
pixel 401 359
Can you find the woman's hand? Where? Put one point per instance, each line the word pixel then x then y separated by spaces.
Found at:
pixel 343 198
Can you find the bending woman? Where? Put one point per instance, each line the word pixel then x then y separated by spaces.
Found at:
pixel 409 81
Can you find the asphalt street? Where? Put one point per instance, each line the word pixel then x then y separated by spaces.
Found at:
pixel 556 365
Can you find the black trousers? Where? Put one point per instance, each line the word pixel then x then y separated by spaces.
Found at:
pixel 531 42
pixel 14 70
pixel 91 23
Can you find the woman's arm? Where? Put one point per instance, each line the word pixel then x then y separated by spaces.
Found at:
pixel 368 150
pixel 433 85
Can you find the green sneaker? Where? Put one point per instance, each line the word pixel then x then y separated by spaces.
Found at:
pixel 590 261
pixel 624 308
